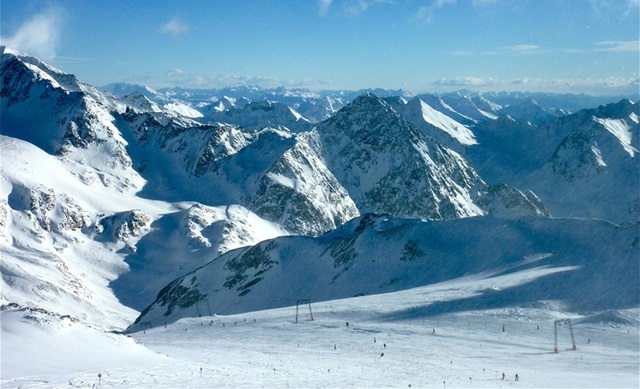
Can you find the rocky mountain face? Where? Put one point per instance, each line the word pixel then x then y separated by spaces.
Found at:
pixel 594 170
pixel 574 164
pixel 62 116
pixel 258 115
pixel 388 166
pixel 367 158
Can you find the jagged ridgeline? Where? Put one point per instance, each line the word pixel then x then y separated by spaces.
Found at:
pixel 108 197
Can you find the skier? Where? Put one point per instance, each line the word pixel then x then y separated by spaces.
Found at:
pixel 517 377
pixel 385 345
pixel 503 376
pixel 381 355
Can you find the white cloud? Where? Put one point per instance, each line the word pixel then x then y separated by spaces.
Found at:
pixel 38 36
pixel 356 7
pixel 348 7
pixel 619 46
pixel 521 48
pixel 323 7
pixel 605 82
pixel 467 81
pixel 603 85
pixel 187 79
pixel 427 13
pixel 516 49
pixel 175 26
pixel 483 3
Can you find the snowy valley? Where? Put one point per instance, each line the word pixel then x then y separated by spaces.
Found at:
pixel 162 238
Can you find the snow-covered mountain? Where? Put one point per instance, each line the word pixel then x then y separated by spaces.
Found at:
pixel 582 165
pixel 435 124
pixel 108 199
pixel 305 182
pixel 140 102
pixel 593 172
pixel 380 254
pixel 55 112
pixel 118 193
pixel 258 115
pixel 388 166
pixel 121 89
pixel 74 205
pixel 528 111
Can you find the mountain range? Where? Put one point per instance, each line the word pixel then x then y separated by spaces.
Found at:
pixel 126 200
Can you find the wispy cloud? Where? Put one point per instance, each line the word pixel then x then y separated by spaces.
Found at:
pixel 516 49
pixel 39 35
pixel 619 46
pixel 520 48
pixel 467 81
pixel 187 79
pixel 427 13
pixel 605 82
pixel 605 9
pixel 356 7
pixel 483 3
pixel 323 7
pixel 348 7
pixel 175 26
pixel 597 85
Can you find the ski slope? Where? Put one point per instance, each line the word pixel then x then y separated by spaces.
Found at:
pixel 267 349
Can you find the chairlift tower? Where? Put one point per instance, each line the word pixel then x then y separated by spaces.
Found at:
pixel 558 323
pixel 303 302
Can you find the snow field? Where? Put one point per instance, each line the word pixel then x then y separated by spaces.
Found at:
pixel 267 349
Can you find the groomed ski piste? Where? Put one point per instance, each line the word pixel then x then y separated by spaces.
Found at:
pixel 424 337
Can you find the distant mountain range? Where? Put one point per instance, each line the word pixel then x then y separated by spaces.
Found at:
pixel 110 196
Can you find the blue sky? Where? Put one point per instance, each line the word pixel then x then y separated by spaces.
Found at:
pixel 586 46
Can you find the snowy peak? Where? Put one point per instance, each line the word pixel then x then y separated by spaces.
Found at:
pixel 602 137
pixel 261 114
pixel 140 102
pixel 528 111
pixel 121 89
pixel 621 120
pixel 13 63
pixel 55 112
pixel 455 130
pixel 389 166
pixel 623 131
pixel 223 104
pixel 445 105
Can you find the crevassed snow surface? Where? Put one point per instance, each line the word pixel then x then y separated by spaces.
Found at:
pixel 461 133
pixel 372 341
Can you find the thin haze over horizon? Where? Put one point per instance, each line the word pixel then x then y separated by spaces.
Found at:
pixel 584 46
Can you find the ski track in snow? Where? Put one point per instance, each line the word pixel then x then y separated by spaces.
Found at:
pixel 267 349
